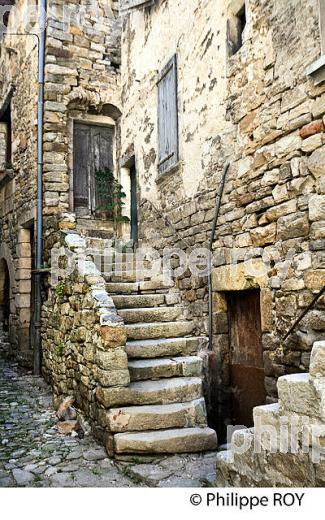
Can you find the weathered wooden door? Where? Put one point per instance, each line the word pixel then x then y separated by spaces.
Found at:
pixel 246 358
pixel 92 151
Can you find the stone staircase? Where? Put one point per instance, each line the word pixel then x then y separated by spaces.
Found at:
pixel 163 408
pixel 286 446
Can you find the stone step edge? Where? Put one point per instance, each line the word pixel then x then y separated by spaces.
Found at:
pixel 163 436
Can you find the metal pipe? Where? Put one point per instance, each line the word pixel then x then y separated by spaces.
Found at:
pixel 213 231
pixel 39 210
pixel 310 306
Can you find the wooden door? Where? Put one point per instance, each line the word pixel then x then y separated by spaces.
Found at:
pixel 93 151
pixel 246 359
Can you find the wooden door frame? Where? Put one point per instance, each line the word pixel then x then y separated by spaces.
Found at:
pixel 91 120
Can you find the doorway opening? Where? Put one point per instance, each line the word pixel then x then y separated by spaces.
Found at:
pixel 246 355
pixel 4 296
pixel 134 205
pixel 92 152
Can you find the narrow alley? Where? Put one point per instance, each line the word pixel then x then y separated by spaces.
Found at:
pixel 34 454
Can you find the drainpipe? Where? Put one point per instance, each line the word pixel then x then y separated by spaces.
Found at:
pixel 39 211
pixel 213 232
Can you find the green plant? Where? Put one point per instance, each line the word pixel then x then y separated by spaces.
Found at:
pixel 60 289
pixel 8 165
pixel 110 195
pixel 60 348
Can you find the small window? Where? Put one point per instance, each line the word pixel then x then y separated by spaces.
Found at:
pixel 6 7
pixel 236 27
pixel 168 117
pixel 5 138
pixel 127 5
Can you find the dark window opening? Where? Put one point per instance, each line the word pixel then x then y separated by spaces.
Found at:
pixel 236 28
pixel 6 6
pixel 5 119
pixel 4 295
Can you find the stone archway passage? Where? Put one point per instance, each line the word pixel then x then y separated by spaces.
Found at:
pixel 4 295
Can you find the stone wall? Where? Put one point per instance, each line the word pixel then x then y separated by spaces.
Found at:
pixel 83 337
pixel 18 89
pixel 286 446
pixel 81 82
pixel 258 110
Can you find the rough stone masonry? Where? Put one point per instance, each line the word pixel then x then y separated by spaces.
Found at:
pixel 247 93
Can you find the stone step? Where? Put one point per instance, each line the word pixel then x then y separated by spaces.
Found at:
pixel 183 440
pixel 153 348
pixel 157 417
pixel 149 315
pixel 134 301
pixel 159 330
pixel 163 391
pixel 157 283
pixel 122 287
pixel 298 394
pixel 124 277
pixel 142 369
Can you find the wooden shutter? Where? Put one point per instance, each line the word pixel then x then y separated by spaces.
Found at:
pixel 127 5
pixel 81 169
pixel 93 150
pixel 168 116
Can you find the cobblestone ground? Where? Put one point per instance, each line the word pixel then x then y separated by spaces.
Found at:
pixel 34 454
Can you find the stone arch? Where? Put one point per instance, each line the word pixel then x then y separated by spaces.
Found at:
pixel 103 103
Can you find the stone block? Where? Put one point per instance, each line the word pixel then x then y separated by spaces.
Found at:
pixel 113 336
pixel 319 107
pixel 315 280
pixel 292 226
pixel 281 210
pixel 317 360
pixel 316 162
pixel 312 128
pixel 297 394
pixel 264 235
pixel 107 378
pixel 238 277
pixel 316 207
pixel 115 359
pixel 167 441
pixel 312 143
pixel 156 417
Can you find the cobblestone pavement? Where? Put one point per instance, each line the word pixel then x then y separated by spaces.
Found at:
pixel 34 454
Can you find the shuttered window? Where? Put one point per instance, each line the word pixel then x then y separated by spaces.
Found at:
pixel 168 116
pixel 126 5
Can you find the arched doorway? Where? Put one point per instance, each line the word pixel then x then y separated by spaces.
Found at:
pixel 4 295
